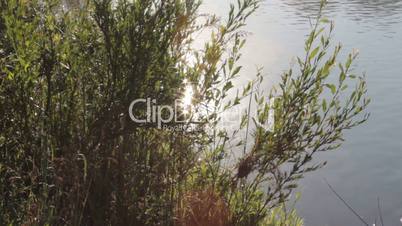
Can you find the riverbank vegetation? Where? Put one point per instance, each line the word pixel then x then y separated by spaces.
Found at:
pixel 71 154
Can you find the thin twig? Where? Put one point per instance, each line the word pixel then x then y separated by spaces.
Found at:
pixel 346 204
pixel 248 118
pixel 379 211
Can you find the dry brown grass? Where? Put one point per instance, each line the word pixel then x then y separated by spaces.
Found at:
pixel 202 208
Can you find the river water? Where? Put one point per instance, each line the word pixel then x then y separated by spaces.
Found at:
pixel 369 165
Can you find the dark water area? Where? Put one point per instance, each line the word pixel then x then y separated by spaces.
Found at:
pixel 369 165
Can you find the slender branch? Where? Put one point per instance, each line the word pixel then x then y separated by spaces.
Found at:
pixel 379 211
pixel 346 204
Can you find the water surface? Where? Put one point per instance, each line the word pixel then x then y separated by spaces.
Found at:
pixel 369 165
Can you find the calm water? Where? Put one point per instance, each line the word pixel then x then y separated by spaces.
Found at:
pixel 369 165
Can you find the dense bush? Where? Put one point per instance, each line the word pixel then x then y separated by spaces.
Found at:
pixel 71 155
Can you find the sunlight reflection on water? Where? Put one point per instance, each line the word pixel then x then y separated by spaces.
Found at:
pixel 368 165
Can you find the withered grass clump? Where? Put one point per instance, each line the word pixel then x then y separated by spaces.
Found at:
pixel 202 208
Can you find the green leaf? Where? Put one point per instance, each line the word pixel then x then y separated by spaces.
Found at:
pixel 228 86
pixel 231 62
pixel 236 70
pixel 325 20
pixel 342 77
pixel 324 105
pixel 332 87
pixel 314 53
pixel 349 61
